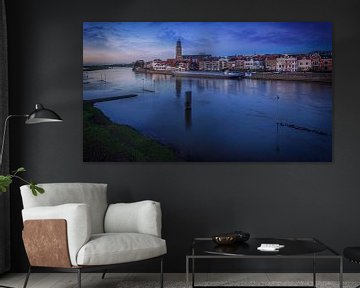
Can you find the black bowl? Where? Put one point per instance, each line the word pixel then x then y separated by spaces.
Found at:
pixel 225 239
pixel 241 236
pixel 231 238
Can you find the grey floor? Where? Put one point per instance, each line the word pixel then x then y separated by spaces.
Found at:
pixel 120 280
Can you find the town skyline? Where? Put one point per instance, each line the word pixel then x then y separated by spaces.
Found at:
pixel 126 42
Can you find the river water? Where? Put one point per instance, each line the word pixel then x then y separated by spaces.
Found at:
pixel 230 120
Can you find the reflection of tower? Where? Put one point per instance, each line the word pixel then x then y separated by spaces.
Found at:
pixel 178 84
pixel 277 147
pixel 178 50
pixel 188 118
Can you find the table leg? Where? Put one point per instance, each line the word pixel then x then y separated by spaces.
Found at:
pixel 314 271
pixel 193 267
pixel 341 273
pixel 187 272
pixel 193 272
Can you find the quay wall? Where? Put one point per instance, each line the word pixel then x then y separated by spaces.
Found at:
pixel 294 76
pixel 286 76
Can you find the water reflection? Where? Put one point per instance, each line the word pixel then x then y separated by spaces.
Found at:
pixel 188 109
pixel 236 120
pixel 277 145
pixel 178 83
pixel 188 119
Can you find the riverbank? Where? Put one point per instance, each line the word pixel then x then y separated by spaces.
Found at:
pixel 191 74
pixel 111 98
pixel 285 76
pixel 148 71
pixel 294 76
pixel 107 141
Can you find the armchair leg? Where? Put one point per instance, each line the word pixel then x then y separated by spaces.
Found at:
pixel 161 273
pixel 27 277
pixel 103 275
pixel 79 277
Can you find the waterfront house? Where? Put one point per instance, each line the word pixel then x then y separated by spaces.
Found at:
pixel 182 66
pixel 158 65
pixel 270 62
pixel 231 64
pixel 286 63
pixel 304 63
pixel 236 63
pixel 210 64
pixel 249 63
pixel 315 62
pixel 258 63
pixel 240 64
pixel 171 62
pixel 223 63
pixel 326 64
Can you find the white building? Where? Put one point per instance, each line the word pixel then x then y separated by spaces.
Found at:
pixel 223 63
pixel 209 65
pixel 181 67
pixel 258 65
pixel 158 65
pixel 286 63
pixel 304 64
pixel 249 64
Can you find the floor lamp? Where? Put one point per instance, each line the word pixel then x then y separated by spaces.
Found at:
pixel 39 115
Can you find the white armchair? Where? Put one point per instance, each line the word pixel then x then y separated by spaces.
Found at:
pixel 72 228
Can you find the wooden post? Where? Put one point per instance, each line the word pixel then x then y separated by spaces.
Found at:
pixel 188 100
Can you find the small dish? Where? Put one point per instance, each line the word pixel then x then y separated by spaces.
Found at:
pixel 225 239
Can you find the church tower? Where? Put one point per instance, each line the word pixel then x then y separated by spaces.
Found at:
pixel 178 50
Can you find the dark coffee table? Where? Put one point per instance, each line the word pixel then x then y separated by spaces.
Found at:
pixel 295 248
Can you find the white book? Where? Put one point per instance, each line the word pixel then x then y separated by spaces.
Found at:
pixel 270 247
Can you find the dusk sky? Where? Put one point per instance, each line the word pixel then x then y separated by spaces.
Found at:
pixel 126 42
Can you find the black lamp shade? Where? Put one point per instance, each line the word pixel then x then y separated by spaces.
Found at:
pixel 42 115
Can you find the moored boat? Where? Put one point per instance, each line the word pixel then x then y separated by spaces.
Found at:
pixel 209 74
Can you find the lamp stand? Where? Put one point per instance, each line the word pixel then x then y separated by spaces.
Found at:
pixel 4 135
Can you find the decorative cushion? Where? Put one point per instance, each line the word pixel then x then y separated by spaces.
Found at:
pixel 92 194
pixel 138 217
pixel 113 248
pixel 352 253
pixel 77 218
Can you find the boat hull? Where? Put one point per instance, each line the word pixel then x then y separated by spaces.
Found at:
pixel 218 75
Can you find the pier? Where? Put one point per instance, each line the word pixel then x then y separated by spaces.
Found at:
pixel 112 98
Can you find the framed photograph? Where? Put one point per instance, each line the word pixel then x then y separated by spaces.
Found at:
pixel 207 91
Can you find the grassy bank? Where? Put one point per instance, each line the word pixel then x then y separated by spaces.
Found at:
pixel 107 141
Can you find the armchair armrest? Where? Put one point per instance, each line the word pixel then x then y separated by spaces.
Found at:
pixel 138 217
pixel 77 217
